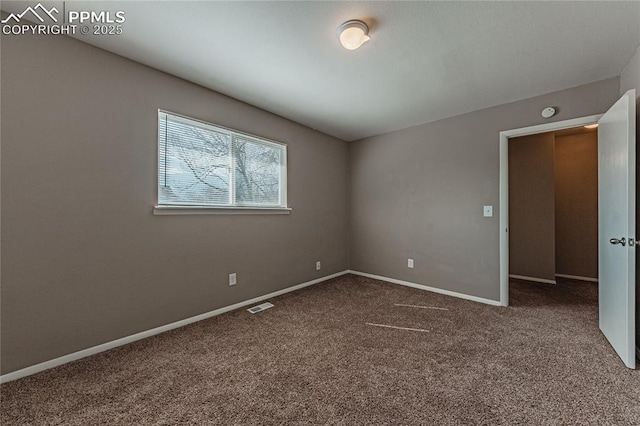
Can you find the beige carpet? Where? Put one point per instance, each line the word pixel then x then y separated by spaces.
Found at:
pixel 312 359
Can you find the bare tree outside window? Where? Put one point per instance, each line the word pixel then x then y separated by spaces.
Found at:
pixel 201 165
pixel 257 172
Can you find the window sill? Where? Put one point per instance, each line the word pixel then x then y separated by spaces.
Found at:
pixel 191 210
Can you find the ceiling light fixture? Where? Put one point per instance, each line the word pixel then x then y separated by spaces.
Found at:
pixel 353 34
pixel 591 126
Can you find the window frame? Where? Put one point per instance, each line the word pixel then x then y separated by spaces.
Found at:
pixel 234 207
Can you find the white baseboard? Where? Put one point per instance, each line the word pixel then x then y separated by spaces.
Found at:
pixel 431 289
pixel 148 333
pixel 577 277
pixel 538 280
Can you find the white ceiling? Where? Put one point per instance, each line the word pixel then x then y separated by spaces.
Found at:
pixel 425 60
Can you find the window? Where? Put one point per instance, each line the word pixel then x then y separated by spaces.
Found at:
pixel 202 165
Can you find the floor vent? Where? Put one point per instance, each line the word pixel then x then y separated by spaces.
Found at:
pixel 260 308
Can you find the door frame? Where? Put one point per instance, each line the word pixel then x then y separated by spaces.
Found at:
pixel 504 187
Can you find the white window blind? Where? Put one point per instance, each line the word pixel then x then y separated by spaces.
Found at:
pixel 203 165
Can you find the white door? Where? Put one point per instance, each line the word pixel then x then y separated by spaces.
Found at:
pixel 617 226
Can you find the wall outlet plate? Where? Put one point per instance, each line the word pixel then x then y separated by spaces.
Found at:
pixel 233 279
pixel 410 263
pixel 318 265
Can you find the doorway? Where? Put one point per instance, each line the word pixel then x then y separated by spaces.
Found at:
pixel 617 239
pixel 553 206
pixel 504 187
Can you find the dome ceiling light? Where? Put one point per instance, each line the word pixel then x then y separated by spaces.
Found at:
pixel 353 34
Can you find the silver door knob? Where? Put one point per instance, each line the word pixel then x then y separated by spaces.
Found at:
pixel 622 241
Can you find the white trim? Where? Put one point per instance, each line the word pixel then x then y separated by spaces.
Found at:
pixel 538 280
pixel 577 277
pixel 179 210
pixel 552 127
pixel 427 288
pixel 503 228
pixel 148 333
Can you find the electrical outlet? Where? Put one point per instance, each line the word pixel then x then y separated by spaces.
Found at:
pixel 232 279
pixel 318 265
pixel 410 263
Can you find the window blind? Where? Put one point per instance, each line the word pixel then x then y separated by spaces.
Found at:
pixel 200 164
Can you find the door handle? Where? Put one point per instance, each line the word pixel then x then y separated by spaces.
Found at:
pixel 622 241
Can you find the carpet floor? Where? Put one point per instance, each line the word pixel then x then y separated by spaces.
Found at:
pixel 323 355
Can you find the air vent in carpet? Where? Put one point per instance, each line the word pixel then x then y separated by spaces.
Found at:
pixel 260 308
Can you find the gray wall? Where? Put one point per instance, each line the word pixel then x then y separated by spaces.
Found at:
pixel 84 261
pixel 576 204
pixel 419 192
pixel 630 79
pixel 532 206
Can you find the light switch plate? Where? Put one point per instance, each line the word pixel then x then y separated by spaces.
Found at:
pixel 488 211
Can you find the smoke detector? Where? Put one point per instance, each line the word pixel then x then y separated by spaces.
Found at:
pixel 548 112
